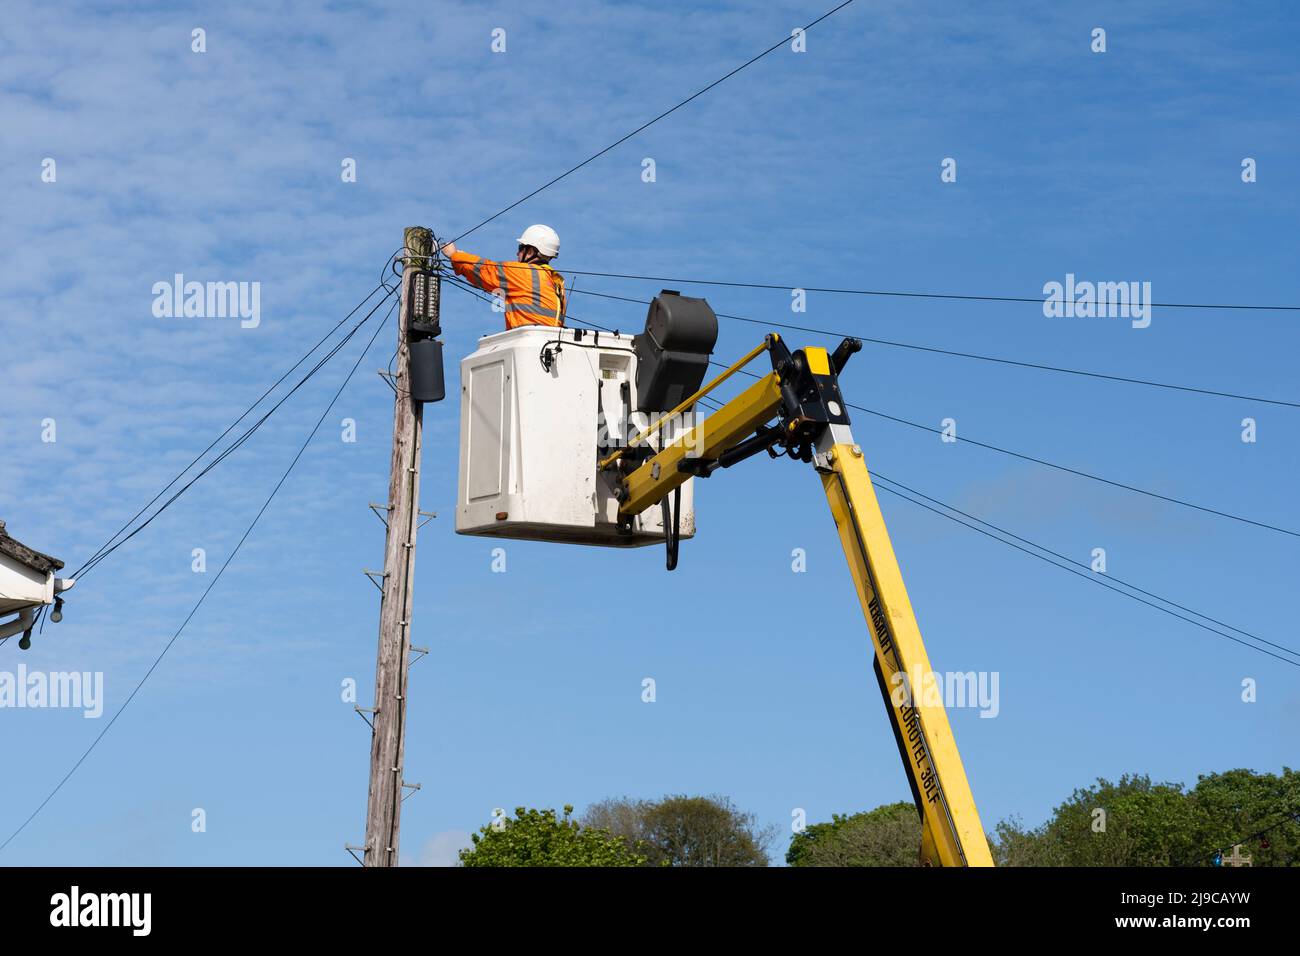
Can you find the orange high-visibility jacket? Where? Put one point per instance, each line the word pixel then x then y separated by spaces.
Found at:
pixel 533 293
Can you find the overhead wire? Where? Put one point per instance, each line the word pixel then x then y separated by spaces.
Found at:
pixel 913 295
pixel 1106 580
pixel 233 446
pixel 208 590
pixel 1088 577
pixel 972 355
pixel 623 139
pixel 1183 502
pixel 197 458
pixel 1068 470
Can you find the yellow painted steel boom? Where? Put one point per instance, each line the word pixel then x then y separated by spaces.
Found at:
pixel 802 393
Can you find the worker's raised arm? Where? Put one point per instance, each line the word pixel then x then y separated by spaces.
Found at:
pixel 484 273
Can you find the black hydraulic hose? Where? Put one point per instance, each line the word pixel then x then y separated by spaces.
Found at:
pixel 672 519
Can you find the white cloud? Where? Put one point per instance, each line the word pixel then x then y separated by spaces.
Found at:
pixel 442 848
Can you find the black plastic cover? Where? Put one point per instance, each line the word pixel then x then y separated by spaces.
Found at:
pixel 426 375
pixel 673 351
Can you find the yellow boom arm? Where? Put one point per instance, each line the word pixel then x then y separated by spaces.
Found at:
pixel 803 392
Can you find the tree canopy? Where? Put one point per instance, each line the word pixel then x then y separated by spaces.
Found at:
pixel 1135 822
pixel 1131 822
pixel 540 838
pixel 886 836
pixel 681 830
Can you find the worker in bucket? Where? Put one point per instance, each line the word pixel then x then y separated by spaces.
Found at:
pixel 532 291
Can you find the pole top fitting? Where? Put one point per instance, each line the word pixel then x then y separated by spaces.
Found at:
pixel 417 246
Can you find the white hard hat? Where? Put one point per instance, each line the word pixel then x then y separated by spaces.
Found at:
pixel 542 238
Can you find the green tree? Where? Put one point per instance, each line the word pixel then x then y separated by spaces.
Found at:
pixel 886 836
pixel 680 830
pixel 1135 822
pixel 624 817
pixel 540 838
pixel 1238 804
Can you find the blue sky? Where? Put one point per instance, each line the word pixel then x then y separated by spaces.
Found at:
pixel 815 169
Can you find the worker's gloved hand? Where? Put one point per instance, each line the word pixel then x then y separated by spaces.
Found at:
pixel 448 249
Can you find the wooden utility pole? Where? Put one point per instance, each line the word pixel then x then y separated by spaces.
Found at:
pixel 387 746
